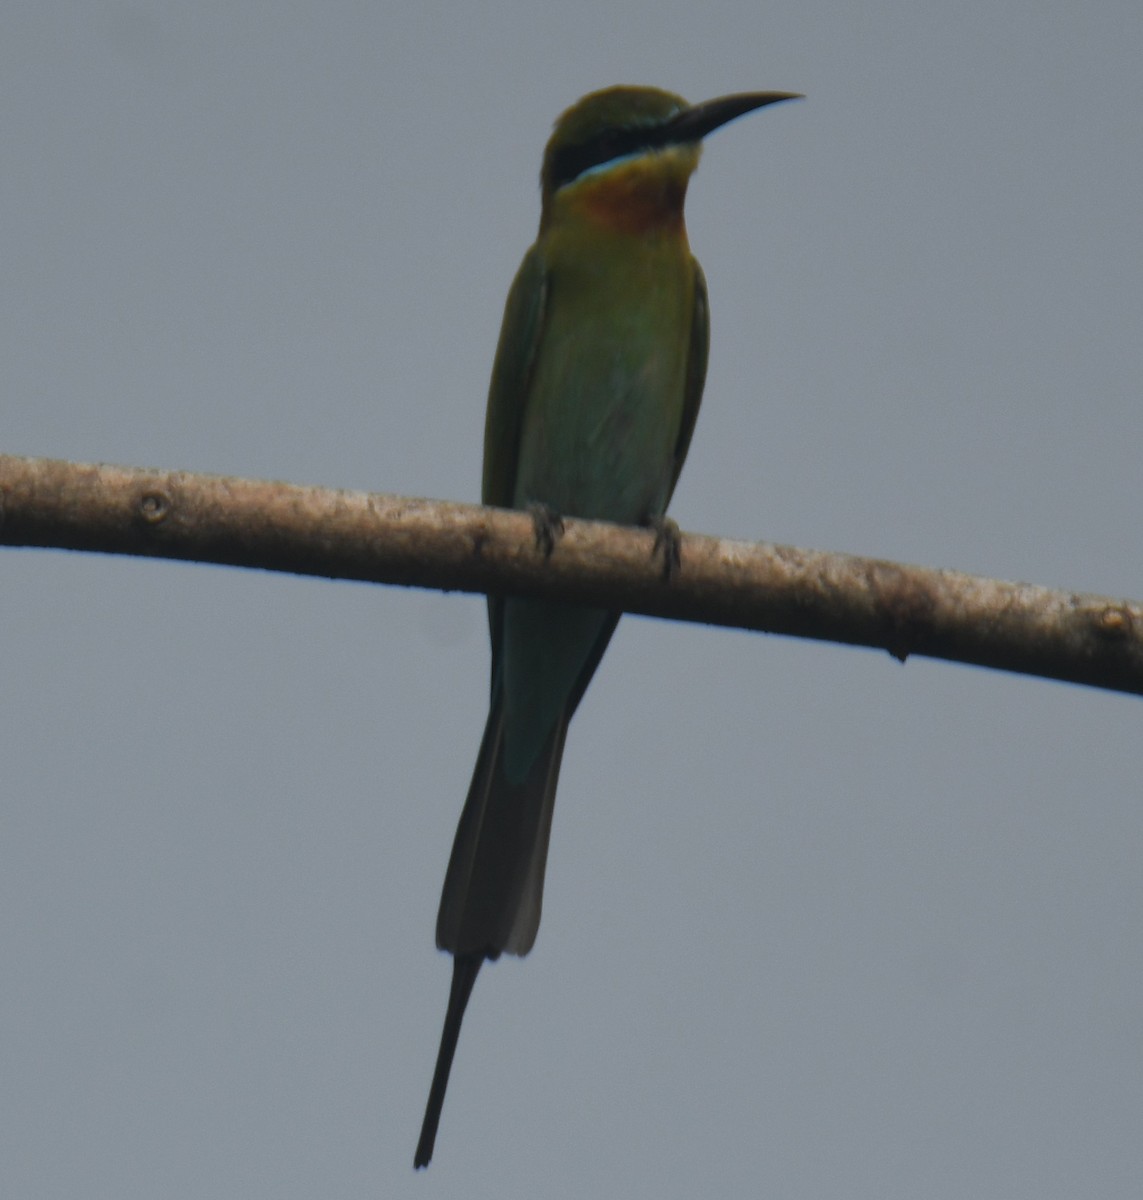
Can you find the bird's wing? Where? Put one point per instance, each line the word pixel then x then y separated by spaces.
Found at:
pixel 696 372
pixel 511 378
pixel 512 369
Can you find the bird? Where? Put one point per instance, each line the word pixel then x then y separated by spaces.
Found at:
pixel 595 389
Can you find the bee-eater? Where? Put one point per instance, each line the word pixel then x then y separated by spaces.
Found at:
pixel 595 390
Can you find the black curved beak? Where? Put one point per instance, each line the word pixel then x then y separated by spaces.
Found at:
pixel 693 124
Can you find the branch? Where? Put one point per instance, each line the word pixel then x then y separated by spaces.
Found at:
pixel 458 547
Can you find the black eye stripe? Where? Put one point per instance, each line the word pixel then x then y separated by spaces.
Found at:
pixel 570 162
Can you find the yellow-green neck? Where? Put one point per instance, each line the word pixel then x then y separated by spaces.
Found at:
pixel 634 196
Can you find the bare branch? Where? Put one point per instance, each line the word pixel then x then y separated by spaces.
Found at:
pixel 456 547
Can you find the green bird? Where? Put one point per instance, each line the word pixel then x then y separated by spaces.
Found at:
pixel 595 389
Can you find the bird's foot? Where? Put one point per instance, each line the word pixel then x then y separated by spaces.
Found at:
pixel 668 544
pixel 548 526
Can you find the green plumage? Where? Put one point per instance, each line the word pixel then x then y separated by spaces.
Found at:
pixel 593 398
pixel 595 390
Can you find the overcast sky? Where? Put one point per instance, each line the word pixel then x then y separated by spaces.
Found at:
pixel 816 924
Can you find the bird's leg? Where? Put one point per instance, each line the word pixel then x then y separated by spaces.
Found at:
pixel 548 526
pixel 668 543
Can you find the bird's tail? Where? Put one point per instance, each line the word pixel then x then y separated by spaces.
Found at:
pixel 464 970
pixel 494 886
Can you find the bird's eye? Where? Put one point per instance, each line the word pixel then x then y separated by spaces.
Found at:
pixel 570 162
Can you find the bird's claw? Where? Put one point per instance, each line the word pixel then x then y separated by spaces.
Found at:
pixel 668 543
pixel 548 526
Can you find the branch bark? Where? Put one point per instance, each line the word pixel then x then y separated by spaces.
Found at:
pixel 906 610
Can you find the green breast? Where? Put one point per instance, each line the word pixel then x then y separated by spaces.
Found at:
pixel 605 401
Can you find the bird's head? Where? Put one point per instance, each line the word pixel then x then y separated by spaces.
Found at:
pixel 623 156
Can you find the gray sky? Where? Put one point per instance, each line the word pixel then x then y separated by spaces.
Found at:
pixel 816 925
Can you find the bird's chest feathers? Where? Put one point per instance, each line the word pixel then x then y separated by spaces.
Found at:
pixel 605 404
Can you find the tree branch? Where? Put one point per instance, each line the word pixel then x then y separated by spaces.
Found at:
pixel 456 547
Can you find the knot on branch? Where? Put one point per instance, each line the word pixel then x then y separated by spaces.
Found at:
pixel 155 506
